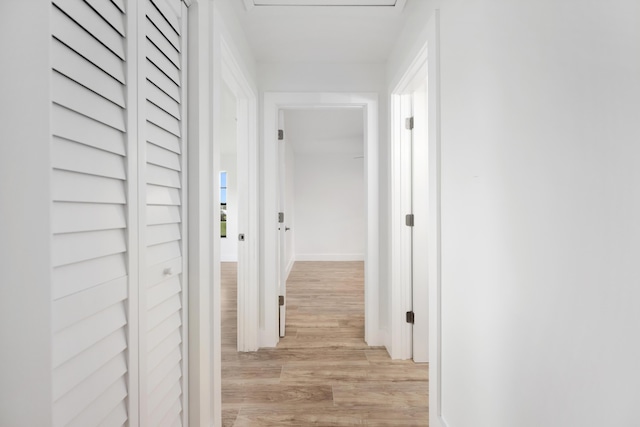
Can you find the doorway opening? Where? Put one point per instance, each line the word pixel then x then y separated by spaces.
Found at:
pixel 322 200
pixel 273 278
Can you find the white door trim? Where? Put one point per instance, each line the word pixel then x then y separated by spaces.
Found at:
pixel 426 60
pixel 273 102
pixel 247 154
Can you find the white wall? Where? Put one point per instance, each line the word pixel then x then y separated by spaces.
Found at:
pixel 25 249
pixel 329 207
pixel 540 207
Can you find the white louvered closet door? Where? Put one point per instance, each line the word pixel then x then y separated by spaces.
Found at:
pixel 162 195
pixel 92 259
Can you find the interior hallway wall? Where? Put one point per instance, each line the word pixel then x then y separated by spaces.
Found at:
pixel 540 208
pixel 329 207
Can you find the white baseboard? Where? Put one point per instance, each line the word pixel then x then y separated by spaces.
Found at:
pixel 329 257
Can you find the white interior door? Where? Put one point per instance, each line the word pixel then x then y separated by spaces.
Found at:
pixel 282 228
pixel 420 208
pixel 162 162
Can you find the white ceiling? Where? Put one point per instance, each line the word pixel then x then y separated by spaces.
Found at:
pixel 320 33
pixel 325 130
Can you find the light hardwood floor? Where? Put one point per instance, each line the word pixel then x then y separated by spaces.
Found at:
pixel 322 373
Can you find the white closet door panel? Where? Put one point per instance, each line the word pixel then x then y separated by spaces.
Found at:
pixel 77 187
pixel 162 138
pixel 76 247
pixel 156 273
pixel 71 34
pixel 163 177
pixel 163 101
pixel 173 417
pixel 92 23
pixel 168 407
pixel 163 349
pixel 117 418
pixel 157 234
pixel 76 217
pixel 76 127
pixel 77 277
pixel 163 292
pixel 169 365
pixel 160 79
pixel 74 157
pixel 163 310
pixel 162 253
pixel 119 4
pixel 72 404
pixel 157 215
pixel 162 119
pixel 169 13
pixel 70 374
pixel 76 97
pixel 160 157
pixel 110 13
pixel 100 408
pixel 79 337
pixel 157 58
pixel 163 26
pixel 69 63
pixel 74 308
pixel 163 196
pixel 162 43
pixel 162 331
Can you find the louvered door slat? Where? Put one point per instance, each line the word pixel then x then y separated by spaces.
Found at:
pixel 163 215
pixel 70 156
pixel 163 101
pixel 73 403
pixel 117 417
pixel 119 4
pixel 110 13
pixel 84 130
pixel 77 217
pixel 169 13
pixel 100 408
pixel 163 253
pixel 161 138
pixel 162 43
pixel 75 67
pixel 75 247
pixel 70 33
pixel 92 23
pixel 156 18
pixel 73 278
pixel 162 292
pixel 166 410
pixel 72 373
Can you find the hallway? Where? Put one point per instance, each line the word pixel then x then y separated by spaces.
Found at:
pixel 322 372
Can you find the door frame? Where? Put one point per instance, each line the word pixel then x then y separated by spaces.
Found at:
pixel 426 60
pixel 247 175
pixel 273 102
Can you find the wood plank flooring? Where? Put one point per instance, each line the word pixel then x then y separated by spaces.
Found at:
pixel 322 373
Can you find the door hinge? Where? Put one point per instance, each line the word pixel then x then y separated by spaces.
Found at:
pixel 408 123
pixel 281 300
pixel 411 317
pixel 280 217
pixel 280 134
pixel 409 220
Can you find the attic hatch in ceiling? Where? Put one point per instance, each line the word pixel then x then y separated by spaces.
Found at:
pixel 387 3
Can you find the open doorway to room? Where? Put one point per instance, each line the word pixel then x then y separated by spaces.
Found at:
pixel 323 234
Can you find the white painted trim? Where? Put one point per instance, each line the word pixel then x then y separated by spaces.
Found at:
pixel 200 176
pixel 292 261
pixel 247 154
pixel 228 258
pixel 330 257
pixel 404 85
pixel 269 336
